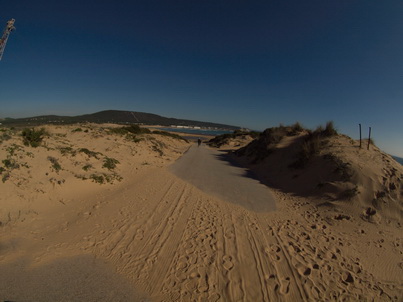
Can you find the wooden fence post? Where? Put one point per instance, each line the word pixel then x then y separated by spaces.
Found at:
pixel 369 138
pixel 360 135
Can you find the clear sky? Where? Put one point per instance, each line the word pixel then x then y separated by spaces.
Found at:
pixel 246 63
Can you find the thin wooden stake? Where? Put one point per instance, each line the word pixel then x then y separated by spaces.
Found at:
pixel 369 137
pixel 360 135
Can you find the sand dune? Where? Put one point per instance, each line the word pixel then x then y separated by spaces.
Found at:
pixel 147 235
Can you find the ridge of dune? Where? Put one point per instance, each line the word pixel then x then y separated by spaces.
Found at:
pixel 333 169
pixel 146 235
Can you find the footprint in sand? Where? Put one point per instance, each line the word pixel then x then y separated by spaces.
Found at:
pixel 273 252
pixel 284 286
pixel 227 262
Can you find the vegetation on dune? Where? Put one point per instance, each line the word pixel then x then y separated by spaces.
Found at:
pixel 110 163
pixel 313 144
pixel 89 152
pixel 105 178
pixel 132 129
pixel 32 137
pixel 173 135
pixel 266 143
pixel 55 164
pixel 224 139
pixel 67 150
pixel 87 167
pixel 10 164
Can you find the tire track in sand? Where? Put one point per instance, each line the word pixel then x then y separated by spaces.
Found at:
pixel 261 261
pixel 144 243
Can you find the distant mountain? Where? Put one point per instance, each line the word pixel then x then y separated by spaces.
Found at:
pixel 115 117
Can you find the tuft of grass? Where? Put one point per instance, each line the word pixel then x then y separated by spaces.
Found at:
pixel 110 163
pixel 133 129
pixel 32 137
pixel 223 139
pixel 136 139
pixel 11 150
pixel 329 129
pixel 97 178
pixel 313 143
pixel 295 129
pixel 5 137
pixel 350 193
pixel 10 163
pixel 87 167
pixel 89 152
pixel 55 164
pixel 104 178
pixel 67 150
pixel 173 135
pixel 5 177
pixel 309 148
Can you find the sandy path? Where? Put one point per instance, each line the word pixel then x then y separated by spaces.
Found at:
pixel 212 172
pixel 173 242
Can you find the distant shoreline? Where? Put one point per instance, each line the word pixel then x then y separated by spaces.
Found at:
pixel 195 131
pixel 398 159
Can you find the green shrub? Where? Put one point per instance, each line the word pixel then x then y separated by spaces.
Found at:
pixel 87 167
pixel 133 129
pixel 5 177
pixel 55 164
pixel 173 135
pixel 67 150
pixel 5 137
pixel 110 163
pixel 136 139
pixel 89 152
pixel 32 137
pixel 10 163
pixel 97 178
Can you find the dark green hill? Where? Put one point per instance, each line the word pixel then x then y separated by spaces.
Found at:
pixel 115 117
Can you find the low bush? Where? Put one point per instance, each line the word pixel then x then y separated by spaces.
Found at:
pixel 110 163
pixel 89 152
pixel 55 164
pixel 10 163
pixel 313 143
pixel 133 129
pixel 173 135
pixel 329 129
pixel 87 167
pixel 97 178
pixel 67 150
pixel 32 137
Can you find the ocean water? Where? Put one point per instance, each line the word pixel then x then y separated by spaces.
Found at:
pixel 398 159
pixel 197 131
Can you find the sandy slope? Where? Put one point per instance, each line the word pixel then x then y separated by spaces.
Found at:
pixel 153 236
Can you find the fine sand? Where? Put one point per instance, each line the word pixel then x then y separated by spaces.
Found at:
pixel 145 234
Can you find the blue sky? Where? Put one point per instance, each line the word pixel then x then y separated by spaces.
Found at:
pixel 247 63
